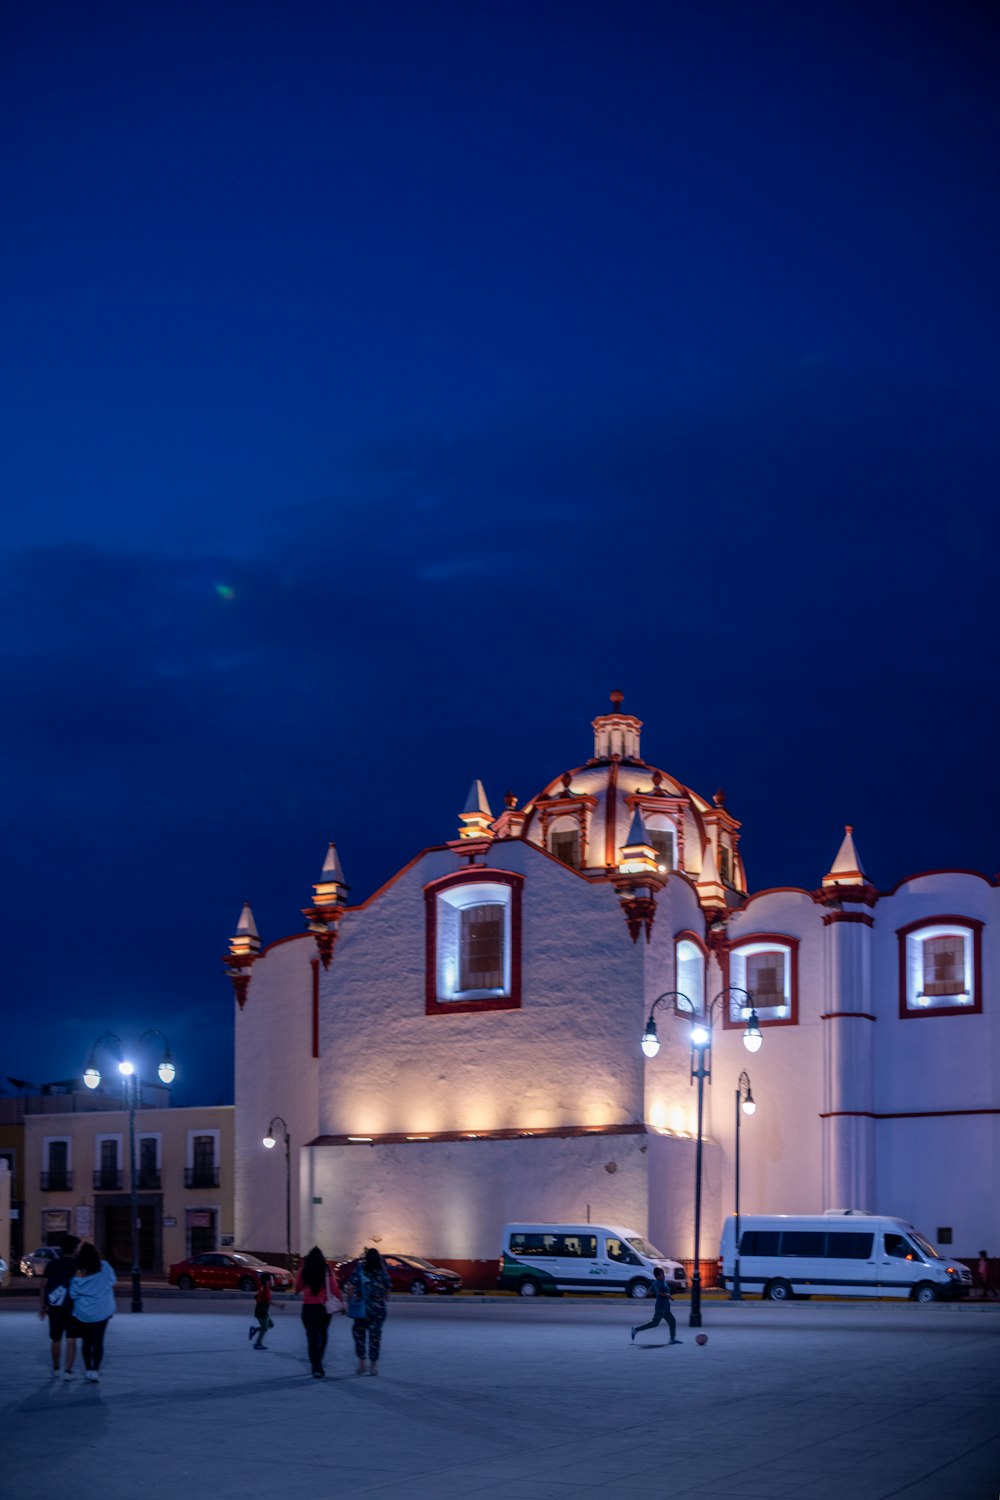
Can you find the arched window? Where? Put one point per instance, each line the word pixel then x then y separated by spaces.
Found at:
pixel 766 966
pixel 663 839
pixel 940 967
pixel 564 841
pixel 690 969
pixel 473 942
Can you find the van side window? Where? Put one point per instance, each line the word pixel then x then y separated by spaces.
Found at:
pixel 621 1252
pixel 759 1242
pixel 849 1246
pixel 582 1246
pixel 804 1242
pixel 899 1246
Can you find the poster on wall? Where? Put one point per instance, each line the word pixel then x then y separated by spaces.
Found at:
pixel 84 1221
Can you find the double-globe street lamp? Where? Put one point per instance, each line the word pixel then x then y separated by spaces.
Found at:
pixel 745 1105
pixel 701 1068
pixel 270 1142
pixel 131 1084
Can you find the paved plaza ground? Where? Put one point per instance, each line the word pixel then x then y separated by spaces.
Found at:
pixel 524 1401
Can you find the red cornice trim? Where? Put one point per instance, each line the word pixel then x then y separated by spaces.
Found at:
pixel 611 818
pixel 400 1138
pixel 975 926
pixel 472 876
pixel 848 916
pixel 293 937
pixel 314 964
pixel 978 874
pixel 854 1015
pixel 905 1114
pixel 776 890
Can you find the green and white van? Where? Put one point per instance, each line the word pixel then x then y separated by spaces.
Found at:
pixel 553 1258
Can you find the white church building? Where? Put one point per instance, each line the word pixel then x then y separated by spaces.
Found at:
pixel 462 1049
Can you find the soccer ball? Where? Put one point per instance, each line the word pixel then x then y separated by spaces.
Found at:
pixel 701 1338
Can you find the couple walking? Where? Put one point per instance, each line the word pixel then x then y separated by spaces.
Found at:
pixel 78 1298
pixel 367 1291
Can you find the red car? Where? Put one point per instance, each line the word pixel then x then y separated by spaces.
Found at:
pixel 234 1269
pixel 410 1273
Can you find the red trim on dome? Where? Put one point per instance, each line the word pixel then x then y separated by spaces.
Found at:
pixel 611 818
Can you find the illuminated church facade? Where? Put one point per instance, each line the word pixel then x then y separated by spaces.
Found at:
pixel 462 1049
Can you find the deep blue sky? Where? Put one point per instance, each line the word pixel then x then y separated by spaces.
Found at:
pixel 383 384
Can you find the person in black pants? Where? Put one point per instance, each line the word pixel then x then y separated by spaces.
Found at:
pixel 318 1287
pixel 662 1309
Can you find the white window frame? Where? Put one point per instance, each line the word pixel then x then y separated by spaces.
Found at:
pixel 916 1000
pixel 450 904
pixel 189 1156
pixel 690 971
pixel 738 977
pixel 56 1140
pixel 153 1135
pixel 660 823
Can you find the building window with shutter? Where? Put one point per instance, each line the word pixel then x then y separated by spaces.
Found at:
pixel 939 967
pixel 662 841
pixel 766 966
pixel 565 845
pixel 473 942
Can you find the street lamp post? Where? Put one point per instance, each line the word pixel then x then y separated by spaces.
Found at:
pixel 701 1068
pixel 130 1087
pixel 269 1142
pixel 745 1105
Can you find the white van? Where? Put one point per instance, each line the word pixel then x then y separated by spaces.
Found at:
pixel 842 1253
pixel 552 1258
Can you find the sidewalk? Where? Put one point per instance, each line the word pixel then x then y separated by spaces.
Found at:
pixel 515 1402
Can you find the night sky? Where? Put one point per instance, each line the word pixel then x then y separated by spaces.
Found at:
pixel 385 383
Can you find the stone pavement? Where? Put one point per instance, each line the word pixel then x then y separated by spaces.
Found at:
pixel 524 1401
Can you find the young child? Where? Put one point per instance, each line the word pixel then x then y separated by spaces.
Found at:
pixel 662 1308
pixel 262 1311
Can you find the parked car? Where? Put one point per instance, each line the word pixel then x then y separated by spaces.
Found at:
pixel 37 1262
pixel 234 1269
pixel 410 1273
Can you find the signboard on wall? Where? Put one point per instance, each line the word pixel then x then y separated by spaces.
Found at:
pixel 84 1221
pixel 169 1223
pixel 200 1218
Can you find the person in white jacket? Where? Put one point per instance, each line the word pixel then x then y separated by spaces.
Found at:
pixel 93 1292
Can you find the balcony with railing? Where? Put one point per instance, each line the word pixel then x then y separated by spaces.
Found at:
pixel 108 1180
pixel 201 1177
pixel 59 1181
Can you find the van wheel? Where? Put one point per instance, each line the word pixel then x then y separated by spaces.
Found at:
pixel 778 1291
pixel 925 1293
pixel 638 1288
pixel 528 1288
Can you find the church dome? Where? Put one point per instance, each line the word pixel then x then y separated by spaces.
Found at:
pixel 586 816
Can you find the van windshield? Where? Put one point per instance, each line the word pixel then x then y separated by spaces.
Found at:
pixel 919 1240
pixel 645 1248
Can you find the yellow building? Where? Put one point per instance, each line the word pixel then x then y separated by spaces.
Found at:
pixel 76 1170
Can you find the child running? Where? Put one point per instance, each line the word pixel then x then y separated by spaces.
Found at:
pixel 262 1310
pixel 662 1309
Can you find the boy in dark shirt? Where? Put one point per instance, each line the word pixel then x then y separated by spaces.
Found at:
pixel 55 1302
pixel 662 1308
pixel 262 1311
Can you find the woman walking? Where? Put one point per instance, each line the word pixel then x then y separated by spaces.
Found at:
pixel 93 1292
pixel 320 1297
pixel 368 1291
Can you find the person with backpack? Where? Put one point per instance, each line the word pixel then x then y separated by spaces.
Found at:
pixel 320 1300
pixel 367 1290
pixel 262 1310
pixel 93 1292
pixel 55 1303
pixel 662 1308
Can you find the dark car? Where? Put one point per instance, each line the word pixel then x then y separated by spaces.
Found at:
pixel 410 1273
pixel 234 1269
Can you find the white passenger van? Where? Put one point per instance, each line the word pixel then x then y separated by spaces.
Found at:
pixel 842 1253
pixel 552 1258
